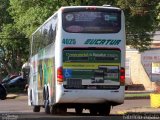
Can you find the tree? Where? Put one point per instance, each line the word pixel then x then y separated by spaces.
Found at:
pixel 19 18
pixel 141 21
pixel 28 15
pixel 4 15
pixel 14 49
pixel 158 17
pixel 13 44
pixel 140 16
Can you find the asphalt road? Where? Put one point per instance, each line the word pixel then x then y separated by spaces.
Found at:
pixel 18 109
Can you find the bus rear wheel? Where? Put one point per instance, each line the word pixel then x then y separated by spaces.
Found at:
pixel 53 110
pixel 104 110
pixel 58 109
pixel 46 102
pixel 78 110
pixel 93 111
pixel 36 108
pixel 47 107
pixel 31 101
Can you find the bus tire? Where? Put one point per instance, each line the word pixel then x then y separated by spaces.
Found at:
pixel 78 110
pixel 3 92
pixel 46 102
pixel 53 110
pixel 93 111
pixel 36 108
pixel 31 100
pixel 104 110
pixel 58 109
pixel 62 109
pixel 47 107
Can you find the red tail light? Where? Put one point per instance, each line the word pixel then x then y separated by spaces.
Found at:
pixel 122 76
pixel 60 74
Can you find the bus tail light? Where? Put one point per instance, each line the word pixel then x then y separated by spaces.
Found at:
pixel 122 76
pixel 60 74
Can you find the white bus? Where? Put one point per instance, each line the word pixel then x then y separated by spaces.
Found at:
pixel 77 61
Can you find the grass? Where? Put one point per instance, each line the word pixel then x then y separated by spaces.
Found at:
pixel 137 95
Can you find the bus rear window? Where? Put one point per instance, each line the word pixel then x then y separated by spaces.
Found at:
pixel 92 21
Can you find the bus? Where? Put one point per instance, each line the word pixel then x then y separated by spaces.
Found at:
pixel 77 61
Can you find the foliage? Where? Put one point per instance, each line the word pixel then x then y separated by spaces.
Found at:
pixel 141 21
pixel 28 15
pixel 19 18
pixel 13 44
pixel 14 49
pixel 5 17
pixel 158 17
pixel 140 16
pixel 138 95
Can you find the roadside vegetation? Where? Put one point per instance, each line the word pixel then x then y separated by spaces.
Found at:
pixel 137 96
pixel 19 18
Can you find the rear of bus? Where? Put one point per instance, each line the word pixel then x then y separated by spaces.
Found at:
pixel 92 52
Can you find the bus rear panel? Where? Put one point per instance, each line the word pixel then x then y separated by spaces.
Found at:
pixel 81 65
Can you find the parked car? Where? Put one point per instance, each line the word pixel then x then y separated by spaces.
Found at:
pixel 8 78
pixel 16 84
pixel 3 92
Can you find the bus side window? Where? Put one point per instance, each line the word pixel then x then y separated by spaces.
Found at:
pixel 52 31
pixel 54 21
pixel 51 35
pixel 54 34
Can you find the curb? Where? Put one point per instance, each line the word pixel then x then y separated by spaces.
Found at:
pixel 139 110
pixel 11 96
pixel 137 97
pixel 139 92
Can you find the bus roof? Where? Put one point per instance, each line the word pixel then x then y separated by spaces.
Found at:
pixel 104 6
